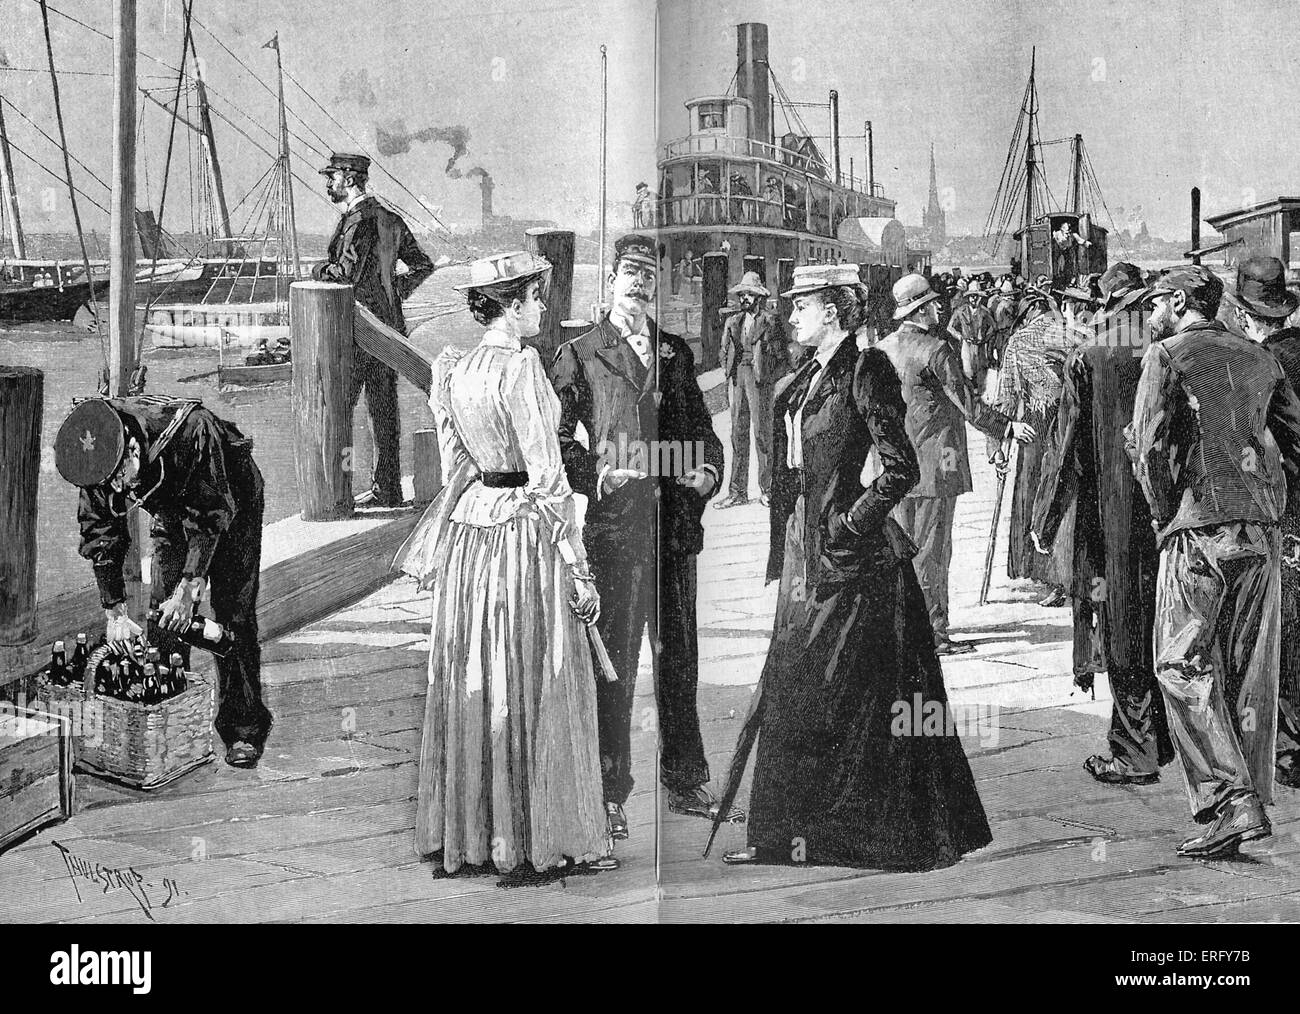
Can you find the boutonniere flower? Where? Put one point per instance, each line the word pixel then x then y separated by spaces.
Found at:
pixel 666 351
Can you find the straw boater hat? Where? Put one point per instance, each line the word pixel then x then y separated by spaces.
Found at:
pixel 750 285
pixel 1261 288
pixel 1076 293
pixel 911 292
pixel 502 269
pixel 814 277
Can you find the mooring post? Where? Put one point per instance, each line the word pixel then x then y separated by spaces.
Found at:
pixel 715 297
pixel 428 465
pixel 320 323
pixel 557 246
pixel 758 265
pixel 22 397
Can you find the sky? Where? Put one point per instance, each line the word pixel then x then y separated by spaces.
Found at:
pixel 1167 96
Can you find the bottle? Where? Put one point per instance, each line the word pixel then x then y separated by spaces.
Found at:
pixel 123 680
pixel 59 674
pixel 152 691
pixel 177 676
pixel 135 682
pixel 105 679
pixel 204 633
pixel 80 654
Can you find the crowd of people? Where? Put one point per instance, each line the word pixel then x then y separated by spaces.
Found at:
pixel 1156 434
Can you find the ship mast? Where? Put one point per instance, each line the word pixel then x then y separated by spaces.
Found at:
pixel 1076 174
pixel 10 194
pixel 210 146
pixel 1030 162
pixel 286 176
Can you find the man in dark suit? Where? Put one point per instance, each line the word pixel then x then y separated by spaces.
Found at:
pixel 367 244
pixel 753 357
pixel 650 463
pixel 1113 540
pixel 939 401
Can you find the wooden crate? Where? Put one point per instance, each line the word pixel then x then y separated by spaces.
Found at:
pixel 143 746
pixel 36 785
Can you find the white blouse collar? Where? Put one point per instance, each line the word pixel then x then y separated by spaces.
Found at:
pixel 500 340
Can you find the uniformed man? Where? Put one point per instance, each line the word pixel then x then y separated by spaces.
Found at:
pixel 195 475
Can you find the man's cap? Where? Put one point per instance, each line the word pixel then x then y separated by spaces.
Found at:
pixel 750 285
pixel 346 161
pixel 911 292
pixel 814 277
pixel 643 185
pixel 1261 288
pixel 1199 282
pixel 502 269
pixel 90 443
pixel 637 248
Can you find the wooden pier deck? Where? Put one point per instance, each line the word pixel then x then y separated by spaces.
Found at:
pixel 321 830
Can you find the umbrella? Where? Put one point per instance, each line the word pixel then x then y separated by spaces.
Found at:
pixel 739 760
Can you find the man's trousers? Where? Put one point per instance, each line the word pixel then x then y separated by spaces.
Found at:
pixel 1216 647
pixel 233 579
pixel 380 384
pixel 750 400
pixel 628 607
pixel 928 521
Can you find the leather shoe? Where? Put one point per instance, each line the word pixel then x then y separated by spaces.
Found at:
pixel 617 821
pixel 730 500
pixel 1238 820
pixel 602 864
pixel 740 857
pixel 1055 597
pixel 700 802
pixel 375 498
pixel 765 500
pixel 947 647
pixel 1106 769
pixel 242 754
pixel 1286 771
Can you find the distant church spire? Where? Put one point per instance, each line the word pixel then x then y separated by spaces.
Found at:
pixel 934 219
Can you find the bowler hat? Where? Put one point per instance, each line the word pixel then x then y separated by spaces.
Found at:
pixel 1121 286
pixel 502 269
pixel 1261 288
pixel 751 285
pixel 90 443
pixel 813 277
pixel 911 292
pixel 1076 293
pixel 637 248
pixel 346 161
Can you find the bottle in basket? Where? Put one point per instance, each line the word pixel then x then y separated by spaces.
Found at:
pixel 123 681
pixel 151 691
pixel 177 675
pixel 135 682
pixel 80 654
pixel 105 679
pixel 60 675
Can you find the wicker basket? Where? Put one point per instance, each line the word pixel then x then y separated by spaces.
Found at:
pixel 141 745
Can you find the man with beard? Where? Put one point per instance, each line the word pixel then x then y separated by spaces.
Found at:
pixel 1115 556
pixel 1261 304
pixel 633 389
pixel 367 244
pixel 1206 405
pixel 753 359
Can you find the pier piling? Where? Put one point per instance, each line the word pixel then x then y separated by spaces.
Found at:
pixel 715 297
pixel 428 466
pixel 753 262
pixel 22 394
pixel 320 321
pixel 557 246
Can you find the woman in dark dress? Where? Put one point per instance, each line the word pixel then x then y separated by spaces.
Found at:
pixel 840 777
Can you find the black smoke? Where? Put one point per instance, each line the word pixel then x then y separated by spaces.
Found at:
pixel 394 139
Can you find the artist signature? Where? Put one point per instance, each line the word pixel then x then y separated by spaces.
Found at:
pixel 118 879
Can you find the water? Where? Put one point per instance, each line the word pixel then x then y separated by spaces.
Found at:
pixel 71 360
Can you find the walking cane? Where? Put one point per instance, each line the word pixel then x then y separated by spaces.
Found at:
pixel 993 530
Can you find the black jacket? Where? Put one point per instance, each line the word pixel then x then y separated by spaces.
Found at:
pixel 364 251
pixel 856 405
pixel 194 487
pixel 626 411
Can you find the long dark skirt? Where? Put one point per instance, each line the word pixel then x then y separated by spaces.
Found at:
pixel 834 782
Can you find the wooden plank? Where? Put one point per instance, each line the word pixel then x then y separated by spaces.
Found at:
pixel 376 338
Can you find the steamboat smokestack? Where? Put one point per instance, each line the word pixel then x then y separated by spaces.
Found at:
pixel 751 78
pixel 485 189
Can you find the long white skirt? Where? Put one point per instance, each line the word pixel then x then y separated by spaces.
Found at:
pixel 509 764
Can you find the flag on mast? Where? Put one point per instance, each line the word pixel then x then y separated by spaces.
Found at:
pixel 274 43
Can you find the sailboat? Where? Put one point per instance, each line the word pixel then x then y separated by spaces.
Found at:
pixel 1063 244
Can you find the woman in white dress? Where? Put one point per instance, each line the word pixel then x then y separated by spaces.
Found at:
pixel 509 764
